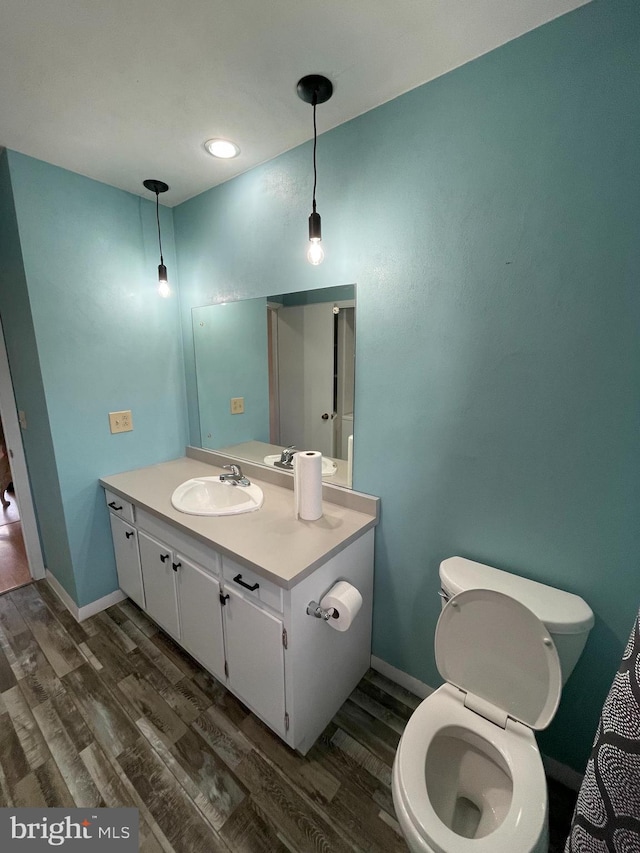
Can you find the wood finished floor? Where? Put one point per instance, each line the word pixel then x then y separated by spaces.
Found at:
pixel 111 712
pixel 14 568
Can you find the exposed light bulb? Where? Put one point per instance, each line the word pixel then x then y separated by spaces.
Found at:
pixel 163 285
pixel 315 252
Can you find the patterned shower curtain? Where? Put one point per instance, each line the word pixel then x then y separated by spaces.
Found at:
pixel 607 814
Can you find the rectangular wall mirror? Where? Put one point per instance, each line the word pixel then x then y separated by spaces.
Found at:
pixel 277 372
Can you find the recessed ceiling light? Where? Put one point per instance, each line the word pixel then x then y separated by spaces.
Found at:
pixel 222 148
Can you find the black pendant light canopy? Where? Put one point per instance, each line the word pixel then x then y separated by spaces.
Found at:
pixel 314 89
pixel 158 187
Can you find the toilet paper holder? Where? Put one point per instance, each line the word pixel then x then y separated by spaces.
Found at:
pixel 314 609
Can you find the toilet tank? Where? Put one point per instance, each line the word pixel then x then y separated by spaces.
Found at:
pixel 567 617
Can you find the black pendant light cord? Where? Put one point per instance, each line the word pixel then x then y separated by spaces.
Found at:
pixel 314 89
pixel 158 187
pixel 315 139
pixel 158 221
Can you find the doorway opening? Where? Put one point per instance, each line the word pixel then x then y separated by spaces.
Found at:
pixel 14 566
pixel 311 376
pixel 21 559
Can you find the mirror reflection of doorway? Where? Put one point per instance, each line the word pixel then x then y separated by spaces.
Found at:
pixel 14 567
pixel 312 383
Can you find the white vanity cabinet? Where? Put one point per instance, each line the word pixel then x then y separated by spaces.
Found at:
pixel 183 597
pixel 248 625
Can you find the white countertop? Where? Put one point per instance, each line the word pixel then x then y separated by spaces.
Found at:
pixel 270 541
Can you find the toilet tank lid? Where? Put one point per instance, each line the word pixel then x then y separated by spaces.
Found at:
pixel 562 612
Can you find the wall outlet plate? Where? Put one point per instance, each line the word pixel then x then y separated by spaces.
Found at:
pixel 120 421
pixel 237 405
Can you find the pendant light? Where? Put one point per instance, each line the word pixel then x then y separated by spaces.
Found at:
pixel 158 187
pixel 315 89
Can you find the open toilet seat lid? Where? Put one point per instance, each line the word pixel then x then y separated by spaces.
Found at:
pixel 499 652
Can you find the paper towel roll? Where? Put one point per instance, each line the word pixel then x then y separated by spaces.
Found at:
pixel 307 484
pixel 346 601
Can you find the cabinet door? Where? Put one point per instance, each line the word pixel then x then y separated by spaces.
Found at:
pixel 201 615
pixel 159 577
pixel 125 546
pixel 255 657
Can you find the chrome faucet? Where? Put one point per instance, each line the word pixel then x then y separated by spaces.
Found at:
pixel 236 477
pixel 286 458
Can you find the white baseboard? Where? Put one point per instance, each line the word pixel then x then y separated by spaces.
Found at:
pixel 81 613
pixel 418 688
pixel 554 769
pixel 62 594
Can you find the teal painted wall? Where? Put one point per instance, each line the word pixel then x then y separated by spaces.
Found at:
pixel 328 294
pixel 230 342
pixel 23 356
pixel 105 342
pixel 490 220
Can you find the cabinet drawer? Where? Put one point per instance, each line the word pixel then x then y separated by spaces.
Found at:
pixel 181 542
pixel 252 585
pixel 120 507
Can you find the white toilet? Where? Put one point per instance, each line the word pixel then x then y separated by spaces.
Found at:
pixel 468 777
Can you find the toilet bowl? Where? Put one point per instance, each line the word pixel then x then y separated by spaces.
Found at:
pixel 468 776
pixel 461 783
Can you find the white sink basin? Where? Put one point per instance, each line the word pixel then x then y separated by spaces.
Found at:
pixel 209 496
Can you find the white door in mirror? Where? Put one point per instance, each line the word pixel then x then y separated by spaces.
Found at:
pixel 210 496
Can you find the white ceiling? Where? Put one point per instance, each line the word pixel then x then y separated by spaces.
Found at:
pixel 123 90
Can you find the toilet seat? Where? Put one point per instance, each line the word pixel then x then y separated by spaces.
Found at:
pixel 501 655
pixel 504 680
pixel 525 822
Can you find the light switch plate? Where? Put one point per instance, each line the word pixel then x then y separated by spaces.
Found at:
pixel 120 421
pixel 237 405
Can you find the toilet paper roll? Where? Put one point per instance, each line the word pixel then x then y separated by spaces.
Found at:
pixel 346 601
pixel 307 485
